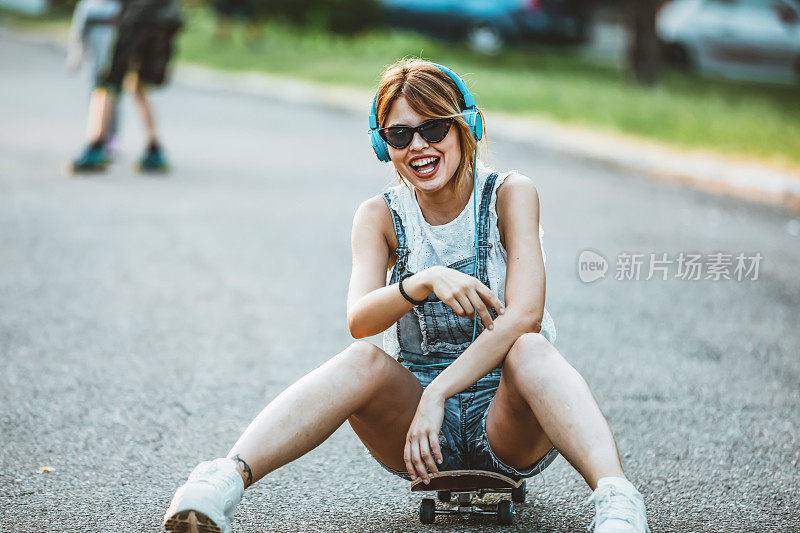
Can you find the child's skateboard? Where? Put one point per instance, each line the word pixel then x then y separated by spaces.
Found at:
pixel 467 485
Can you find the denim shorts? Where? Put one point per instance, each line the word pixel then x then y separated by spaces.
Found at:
pixel 463 435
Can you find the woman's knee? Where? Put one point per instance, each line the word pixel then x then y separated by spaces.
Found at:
pixel 532 354
pixel 364 361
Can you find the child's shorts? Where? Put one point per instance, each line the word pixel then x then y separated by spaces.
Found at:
pixel 143 48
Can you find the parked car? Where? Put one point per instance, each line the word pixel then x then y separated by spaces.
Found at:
pixel 487 25
pixel 749 39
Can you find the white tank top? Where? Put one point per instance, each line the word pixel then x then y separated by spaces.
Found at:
pixel 448 243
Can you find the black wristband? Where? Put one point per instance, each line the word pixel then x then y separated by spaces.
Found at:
pixel 407 297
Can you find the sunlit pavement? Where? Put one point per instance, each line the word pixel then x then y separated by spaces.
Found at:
pixel 145 320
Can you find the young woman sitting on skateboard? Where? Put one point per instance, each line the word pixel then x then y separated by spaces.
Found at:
pixel 461 240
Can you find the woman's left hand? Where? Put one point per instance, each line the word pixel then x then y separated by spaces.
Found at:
pixel 422 441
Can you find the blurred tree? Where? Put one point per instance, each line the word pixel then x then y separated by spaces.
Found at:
pixel 62 6
pixel 643 54
pixel 339 16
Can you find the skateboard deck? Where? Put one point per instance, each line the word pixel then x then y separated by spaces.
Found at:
pixel 466 486
pixel 467 480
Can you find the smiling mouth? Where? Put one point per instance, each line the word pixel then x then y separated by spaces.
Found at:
pixel 425 166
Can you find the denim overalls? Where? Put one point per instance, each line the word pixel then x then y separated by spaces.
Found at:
pixel 433 334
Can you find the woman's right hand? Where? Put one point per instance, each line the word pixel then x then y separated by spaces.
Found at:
pixel 463 293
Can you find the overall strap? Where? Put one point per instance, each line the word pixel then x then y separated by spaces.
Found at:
pixel 402 249
pixel 483 229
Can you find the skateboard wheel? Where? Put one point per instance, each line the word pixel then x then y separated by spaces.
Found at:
pixel 444 495
pixel 427 511
pixel 505 512
pixel 518 494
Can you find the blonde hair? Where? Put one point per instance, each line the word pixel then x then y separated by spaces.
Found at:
pixel 431 93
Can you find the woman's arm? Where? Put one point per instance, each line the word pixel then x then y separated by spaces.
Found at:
pixel 372 306
pixel 518 221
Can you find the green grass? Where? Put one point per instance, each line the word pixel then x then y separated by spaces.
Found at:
pixel 56 21
pixel 734 118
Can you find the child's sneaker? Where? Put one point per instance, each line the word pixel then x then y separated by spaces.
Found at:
pixel 207 501
pixel 94 158
pixel 619 507
pixel 153 160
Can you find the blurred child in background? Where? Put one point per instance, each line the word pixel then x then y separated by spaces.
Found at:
pixel 144 46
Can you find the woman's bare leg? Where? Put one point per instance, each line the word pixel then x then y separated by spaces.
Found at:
pixel 541 400
pixel 363 384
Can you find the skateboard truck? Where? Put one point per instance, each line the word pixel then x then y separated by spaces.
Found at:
pixel 467 486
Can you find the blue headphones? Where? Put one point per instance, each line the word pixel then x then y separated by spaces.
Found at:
pixel 470 114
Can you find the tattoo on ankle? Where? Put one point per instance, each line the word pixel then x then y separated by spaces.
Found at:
pixel 245 469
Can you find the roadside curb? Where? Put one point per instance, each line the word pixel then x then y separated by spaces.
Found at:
pixel 699 170
pixel 703 171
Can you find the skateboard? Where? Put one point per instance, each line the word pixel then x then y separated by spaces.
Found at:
pixel 466 486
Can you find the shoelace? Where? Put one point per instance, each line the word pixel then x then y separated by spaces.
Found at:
pixel 210 475
pixel 612 503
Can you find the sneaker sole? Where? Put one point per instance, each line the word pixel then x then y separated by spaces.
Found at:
pixel 191 521
pixel 159 170
pixel 71 170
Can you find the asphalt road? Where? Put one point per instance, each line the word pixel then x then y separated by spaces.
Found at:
pixel 145 320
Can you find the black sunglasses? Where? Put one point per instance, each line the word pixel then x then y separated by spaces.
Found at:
pixel 433 131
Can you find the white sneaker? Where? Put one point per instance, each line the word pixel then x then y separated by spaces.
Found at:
pixel 207 501
pixel 619 507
